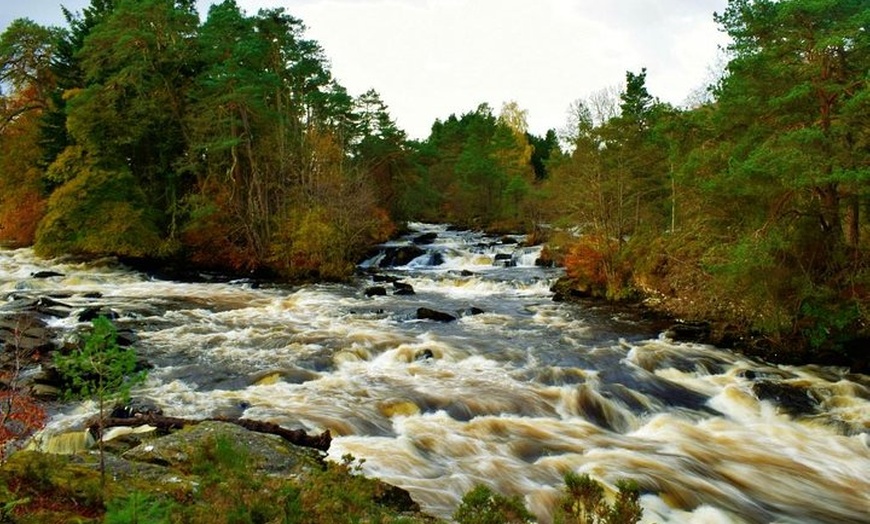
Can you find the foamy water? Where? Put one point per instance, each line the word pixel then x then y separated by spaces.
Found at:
pixel 511 398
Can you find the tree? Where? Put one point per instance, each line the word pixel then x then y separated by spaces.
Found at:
pixel 99 212
pixel 100 369
pixel 26 50
pixel 137 65
pixel 790 108
pixel 380 149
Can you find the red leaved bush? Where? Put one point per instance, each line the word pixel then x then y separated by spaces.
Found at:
pixel 19 216
pixel 21 417
pixel 589 261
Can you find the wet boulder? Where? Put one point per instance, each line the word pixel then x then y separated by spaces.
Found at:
pixel 403 288
pixel 425 239
pixel 26 332
pixel 435 259
pixel 425 313
pixel 375 291
pixel 380 279
pixel 791 399
pixel 52 308
pixel 504 259
pixel 266 453
pixel 136 407
pixel 46 274
pixel 470 312
pixel 400 255
pixel 424 354
pixel 698 332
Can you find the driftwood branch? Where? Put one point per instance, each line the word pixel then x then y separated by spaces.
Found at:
pixel 297 437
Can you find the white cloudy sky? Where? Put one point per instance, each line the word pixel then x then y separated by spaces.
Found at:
pixel 431 58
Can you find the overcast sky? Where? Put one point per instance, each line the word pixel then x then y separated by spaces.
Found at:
pixel 431 58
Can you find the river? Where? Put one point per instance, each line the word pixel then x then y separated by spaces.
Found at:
pixel 513 393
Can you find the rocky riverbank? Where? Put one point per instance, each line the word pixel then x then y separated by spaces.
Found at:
pixel 208 472
pixel 663 317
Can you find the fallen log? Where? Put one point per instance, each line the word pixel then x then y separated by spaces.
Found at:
pixel 165 424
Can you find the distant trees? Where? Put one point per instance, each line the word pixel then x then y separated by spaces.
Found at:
pixel 478 169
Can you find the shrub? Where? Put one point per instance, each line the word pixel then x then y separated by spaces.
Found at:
pixel 20 414
pixel 483 506
pixel 139 508
pixel 583 502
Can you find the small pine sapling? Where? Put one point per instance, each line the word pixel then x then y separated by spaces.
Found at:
pixel 100 369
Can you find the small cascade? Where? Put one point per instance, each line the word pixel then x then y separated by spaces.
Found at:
pixel 65 443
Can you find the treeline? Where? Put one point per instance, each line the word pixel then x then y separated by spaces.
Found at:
pixel 140 130
pixel 750 208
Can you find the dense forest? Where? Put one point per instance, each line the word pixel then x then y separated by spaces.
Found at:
pixel 142 130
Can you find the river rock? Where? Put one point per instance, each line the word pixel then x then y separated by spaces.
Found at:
pixel 45 392
pixel 127 338
pixel 375 291
pixel 425 239
pixel 89 313
pixel 470 312
pixel 46 274
pixel 425 354
pixel 400 256
pixel 26 331
pixel 504 260
pixel 698 332
pixel 435 259
pixel 425 313
pixel 52 308
pixel 293 375
pixel 403 288
pixel 136 407
pixel 794 400
pixel 265 453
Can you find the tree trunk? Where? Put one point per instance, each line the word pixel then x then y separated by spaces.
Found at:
pixel 853 233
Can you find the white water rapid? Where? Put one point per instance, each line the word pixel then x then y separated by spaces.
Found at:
pixel 511 396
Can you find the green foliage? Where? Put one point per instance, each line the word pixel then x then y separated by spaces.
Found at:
pixel 99 368
pixel 98 212
pixel 483 506
pixel 220 457
pixel 139 508
pixel 584 502
pixel 40 484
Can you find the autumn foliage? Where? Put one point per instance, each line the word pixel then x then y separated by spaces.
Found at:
pixel 21 417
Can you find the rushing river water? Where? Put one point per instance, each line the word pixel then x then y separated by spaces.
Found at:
pixel 511 394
